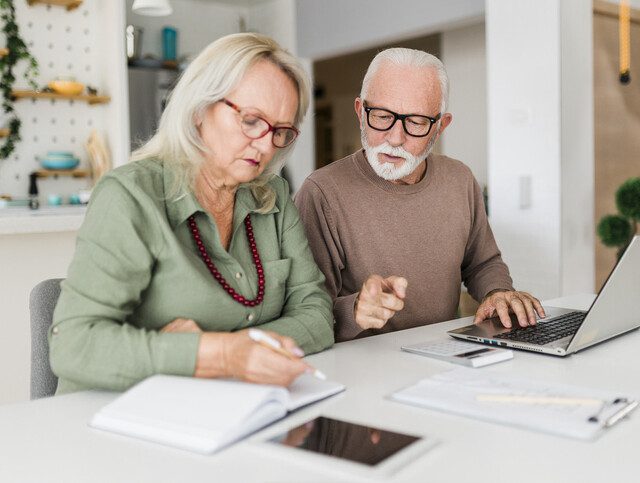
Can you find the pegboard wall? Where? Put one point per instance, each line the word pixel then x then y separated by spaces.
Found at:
pixel 64 44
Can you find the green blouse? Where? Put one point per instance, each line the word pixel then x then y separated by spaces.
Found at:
pixel 136 268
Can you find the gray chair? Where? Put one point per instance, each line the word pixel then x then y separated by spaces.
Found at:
pixel 42 301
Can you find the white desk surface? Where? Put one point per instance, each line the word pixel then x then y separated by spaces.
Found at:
pixel 48 440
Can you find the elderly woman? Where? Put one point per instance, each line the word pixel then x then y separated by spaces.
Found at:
pixel 197 239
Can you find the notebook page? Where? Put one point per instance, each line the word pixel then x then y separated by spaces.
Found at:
pixel 307 389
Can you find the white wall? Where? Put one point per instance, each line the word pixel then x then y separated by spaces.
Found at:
pixel 111 52
pixel 276 18
pixel 531 64
pixel 577 149
pixel 463 53
pixel 332 27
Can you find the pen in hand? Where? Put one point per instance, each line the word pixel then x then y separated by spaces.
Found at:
pixel 266 340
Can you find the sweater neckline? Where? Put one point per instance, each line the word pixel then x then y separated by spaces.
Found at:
pixel 388 186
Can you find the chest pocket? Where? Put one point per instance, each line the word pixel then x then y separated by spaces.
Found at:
pixel 276 274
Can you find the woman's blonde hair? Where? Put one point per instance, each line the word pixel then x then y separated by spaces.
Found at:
pixel 214 73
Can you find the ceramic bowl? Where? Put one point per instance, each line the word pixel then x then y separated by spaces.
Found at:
pixel 60 154
pixel 66 87
pixel 59 162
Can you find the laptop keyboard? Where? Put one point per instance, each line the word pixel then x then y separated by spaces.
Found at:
pixel 545 332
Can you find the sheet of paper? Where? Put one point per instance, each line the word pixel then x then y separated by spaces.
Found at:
pixel 554 408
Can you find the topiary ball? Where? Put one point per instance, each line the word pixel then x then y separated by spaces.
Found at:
pixel 614 230
pixel 628 198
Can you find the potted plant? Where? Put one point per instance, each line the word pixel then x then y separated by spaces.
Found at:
pixel 16 50
pixel 618 230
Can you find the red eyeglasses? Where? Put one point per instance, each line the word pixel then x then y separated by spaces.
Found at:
pixel 253 126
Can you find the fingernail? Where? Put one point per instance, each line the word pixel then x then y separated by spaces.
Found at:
pixel 296 351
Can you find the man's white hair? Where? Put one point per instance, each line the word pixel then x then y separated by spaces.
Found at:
pixel 413 58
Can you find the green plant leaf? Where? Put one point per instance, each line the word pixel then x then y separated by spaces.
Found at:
pixel 614 230
pixel 17 51
pixel 628 198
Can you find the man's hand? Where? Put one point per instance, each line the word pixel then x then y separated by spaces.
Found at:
pixel 379 300
pixel 502 302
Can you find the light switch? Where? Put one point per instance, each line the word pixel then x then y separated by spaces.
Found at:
pixel 525 192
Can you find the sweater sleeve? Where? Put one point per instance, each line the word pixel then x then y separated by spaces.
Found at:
pixel 306 315
pixel 324 241
pixel 92 341
pixel 482 267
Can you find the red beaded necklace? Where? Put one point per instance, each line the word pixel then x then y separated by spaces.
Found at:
pixel 216 274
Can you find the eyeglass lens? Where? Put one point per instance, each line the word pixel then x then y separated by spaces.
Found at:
pixel 382 120
pixel 255 127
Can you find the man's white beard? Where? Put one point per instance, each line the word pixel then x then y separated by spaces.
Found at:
pixel 390 171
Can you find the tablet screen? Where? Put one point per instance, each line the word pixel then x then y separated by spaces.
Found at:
pixel 350 441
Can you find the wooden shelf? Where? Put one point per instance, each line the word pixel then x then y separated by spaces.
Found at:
pixel 4 52
pixel 68 4
pixel 52 95
pixel 75 173
pixel 4 132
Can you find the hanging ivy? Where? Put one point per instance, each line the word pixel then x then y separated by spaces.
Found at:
pixel 17 51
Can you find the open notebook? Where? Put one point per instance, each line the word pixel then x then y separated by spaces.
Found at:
pixel 205 415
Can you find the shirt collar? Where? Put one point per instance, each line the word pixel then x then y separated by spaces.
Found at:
pixel 182 206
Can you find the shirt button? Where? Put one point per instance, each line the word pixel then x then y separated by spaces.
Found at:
pixel 55 331
pixel 250 317
pixel 238 275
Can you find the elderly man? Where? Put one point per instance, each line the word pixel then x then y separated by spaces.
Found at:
pixel 396 228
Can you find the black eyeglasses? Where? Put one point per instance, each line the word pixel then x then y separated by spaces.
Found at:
pixel 415 125
pixel 253 126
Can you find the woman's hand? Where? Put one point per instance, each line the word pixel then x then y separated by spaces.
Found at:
pixel 237 355
pixel 181 325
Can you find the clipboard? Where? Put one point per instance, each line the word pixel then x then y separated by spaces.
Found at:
pixel 570 411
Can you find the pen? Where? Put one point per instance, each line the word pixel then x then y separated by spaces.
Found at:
pixel 266 340
pixel 621 414
pixel 565 401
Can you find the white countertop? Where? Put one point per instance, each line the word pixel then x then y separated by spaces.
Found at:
pixel 47 219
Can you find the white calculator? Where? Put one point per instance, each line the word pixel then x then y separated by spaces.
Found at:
pixel 459 352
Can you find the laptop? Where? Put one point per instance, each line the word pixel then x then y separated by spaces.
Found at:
pixel 615 310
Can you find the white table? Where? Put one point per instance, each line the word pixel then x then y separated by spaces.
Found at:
pixel 48 440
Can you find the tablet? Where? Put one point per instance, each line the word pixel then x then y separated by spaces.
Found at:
pixel 351 447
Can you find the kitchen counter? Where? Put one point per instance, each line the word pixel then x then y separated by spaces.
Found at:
pixel 48 219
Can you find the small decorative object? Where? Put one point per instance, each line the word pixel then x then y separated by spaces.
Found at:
pixel 66 85
pixel 92 91
pixel 17 50
pixel 84 196
pixel 54 200
pixel 99 158
pixel 169 44
pixel 134 41
pixel 624 39
pixel 34 203
pixel 59 160
pixel 152 8
pixel 618 230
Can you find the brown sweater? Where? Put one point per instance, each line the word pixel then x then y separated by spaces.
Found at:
pixel 434 233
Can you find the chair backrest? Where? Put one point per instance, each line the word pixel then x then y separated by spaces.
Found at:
pixel 42 301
